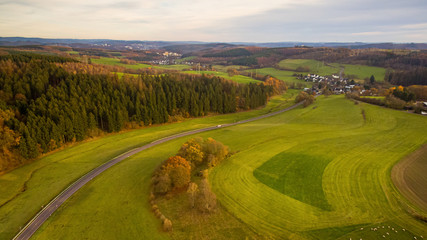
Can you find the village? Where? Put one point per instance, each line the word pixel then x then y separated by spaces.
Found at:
pixel 335 83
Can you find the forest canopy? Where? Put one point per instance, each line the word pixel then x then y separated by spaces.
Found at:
pixel 47 102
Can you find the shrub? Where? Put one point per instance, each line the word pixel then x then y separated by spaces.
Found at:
pixel 162 183
pixel 393 102
pixel 180 177
pixel 167 225
pixel 206 199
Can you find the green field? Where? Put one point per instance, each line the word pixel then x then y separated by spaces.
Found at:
pixel 351 155
pixel 359 71
pixel 73 52
pixel 334 143
pixel 24 190
pixel 116 62
pixel 374 97
pixel 317 67
pixel 339 163
pixel 178 67
pixel 362 71
pixel 283 75
pixel 186 59
pixel 235 78
pixel 222 68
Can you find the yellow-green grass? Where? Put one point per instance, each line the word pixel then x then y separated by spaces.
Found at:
pixel 73 52
pixel 190 223
pixel 178 67
pixel 186 59
pixel 24 190
pixel 375 97
pixel 362 71
pixel 283 75
pixel 235 78
pixel 356 183
pixel 223 68
pixel 116 62
pixel 315 66
pixel 121 74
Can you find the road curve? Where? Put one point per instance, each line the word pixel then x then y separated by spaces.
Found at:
pixel 50 208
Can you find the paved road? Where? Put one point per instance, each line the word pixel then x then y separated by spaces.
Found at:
pixel 45 213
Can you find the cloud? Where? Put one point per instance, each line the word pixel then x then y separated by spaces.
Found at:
pixel 220 20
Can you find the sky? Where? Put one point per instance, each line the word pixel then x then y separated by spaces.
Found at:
pixel 218 20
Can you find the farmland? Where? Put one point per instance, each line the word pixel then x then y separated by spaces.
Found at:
pixel 410 178
pixel 358 72
pixel 314 66
pixel 33 185
pixel 355 182
pixel 362 72
pixel 235 78
pixel 116 62
pixel 283 75
pixel 348 194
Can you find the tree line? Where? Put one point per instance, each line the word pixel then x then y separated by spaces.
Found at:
pixel 46 106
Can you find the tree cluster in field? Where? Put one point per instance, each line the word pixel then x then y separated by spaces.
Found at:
pixel 307 98
pixel 175 173
pixel 396 98
pixel 194 158
pixel 50 101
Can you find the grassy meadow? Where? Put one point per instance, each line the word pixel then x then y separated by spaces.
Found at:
pixel 317 67
pixel 360 72
pixel 235 78
pixel 283 75
pixel 24 190
pixel 116 62
pixel 321 172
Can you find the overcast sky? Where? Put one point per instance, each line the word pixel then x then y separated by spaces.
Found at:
pixel 218 20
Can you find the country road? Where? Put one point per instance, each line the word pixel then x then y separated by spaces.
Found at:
pixel 50 208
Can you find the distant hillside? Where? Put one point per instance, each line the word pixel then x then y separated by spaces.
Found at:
pixel 192 48
pixel 188 46
pixel 90 43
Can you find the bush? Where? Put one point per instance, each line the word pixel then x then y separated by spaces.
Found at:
pixel 307 98
pixel 167 225
pixel 162 184
pixel 180 177
pixel 303 69
pixel 393 102
pixel 206 199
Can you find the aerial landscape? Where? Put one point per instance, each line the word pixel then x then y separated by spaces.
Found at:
pixel 236 119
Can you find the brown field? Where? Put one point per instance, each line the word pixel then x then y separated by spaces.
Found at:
pixel 410 177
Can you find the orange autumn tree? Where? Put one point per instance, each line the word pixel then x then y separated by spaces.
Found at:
pixel 278 85
pixel 179 171
pixel 192 151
